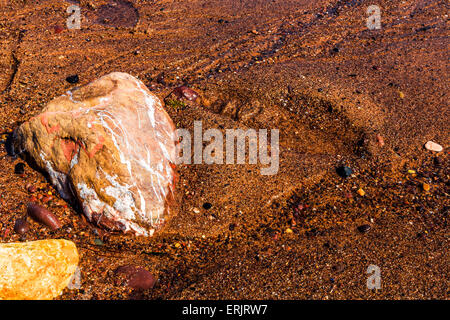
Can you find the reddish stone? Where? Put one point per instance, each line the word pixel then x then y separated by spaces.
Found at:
pixel 380 140
pixel 47 199
pixel 58 29
pixel 21 226
pixel 43 215
pixel 185 92
pixel 135 277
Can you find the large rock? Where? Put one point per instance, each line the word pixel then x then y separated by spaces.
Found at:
pixel 37 270
pixel 110 146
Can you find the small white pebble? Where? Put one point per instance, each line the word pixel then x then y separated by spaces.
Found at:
pixel 433 146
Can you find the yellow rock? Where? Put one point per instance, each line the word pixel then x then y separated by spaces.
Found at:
pixel 37 270
pixel 361 192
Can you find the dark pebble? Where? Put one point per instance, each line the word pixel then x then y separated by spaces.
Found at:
pixel 19 168
pixel 438 161
pixel 160 79
pixel 9 144
pixel 338 267
pixel 207 206
pixel 21 226
pixel 73 79
pixel 364 228
pixel 117 14
pixel 135 277
pixel 42 215
pixel 344 171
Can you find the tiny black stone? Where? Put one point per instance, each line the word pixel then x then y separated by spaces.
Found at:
pixel 73 79
pixel 438 162
pixel 207 206
pixel 364 228
pixel 19 168
pixel 9 144
pixel 338 267
pixel 344 171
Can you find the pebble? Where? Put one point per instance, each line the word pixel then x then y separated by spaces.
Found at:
pixel 98 242
pixel 185 92
pixel 21 226
pixel 380 140
pixel 19 168
pixel 42 215
pixel 361 192
pixel 339 267
pixel 438 162
pixel 344 171
pixel 426 187
pixel 58 29
pixel 207 206
pixel 47 199
pixel 31 188
pixel 73 79
pixel 364 228
pixel 135 277
pixel 433 146
pixel 289 230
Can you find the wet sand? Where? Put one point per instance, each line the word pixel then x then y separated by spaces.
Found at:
pixel 311 69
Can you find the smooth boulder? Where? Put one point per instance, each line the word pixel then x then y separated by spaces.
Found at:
pixel 109 146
